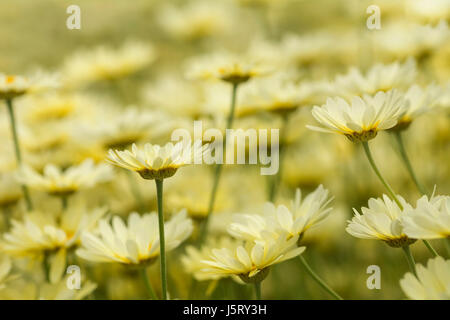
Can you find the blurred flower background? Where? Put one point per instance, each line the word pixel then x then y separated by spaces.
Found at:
pixel 137 70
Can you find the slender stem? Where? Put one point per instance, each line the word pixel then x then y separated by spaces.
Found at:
pixel 162 244
pixel 64 203
pixel 17 150
pixel 277 179
pixel 318 279
pixel 377 172
pixel 420 187
pixel 46 263
pixel 430 248
pixel 410 259
pixel 218 169
pixel 148 284
pixel 135 190
pixel 258 290
pixel 404 156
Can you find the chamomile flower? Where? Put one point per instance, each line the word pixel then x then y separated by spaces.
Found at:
pixel 46 232
pixel 104 63
pixel 294 222
pixel 61 291
pixel 227 67
pixel 10 192
pixel 363 118
pixel 378 78
pixel 12 86
pixel 156 162
pixel 136 243
pixel 420 100
pixel 125 127
pixel 251 261
pixel 304 213
pixel 382 220
pixel 196 20
pixel 58 182
pixel 431 283
pixel 193 259
pixel 5 269
pixel 430 219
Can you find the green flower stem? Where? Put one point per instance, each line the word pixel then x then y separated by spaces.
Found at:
pixel 64 203
pixel 218 169
pixel 319 281
pixel 430 248
pixel 258 290
pixel 404 156
pixel 162 244
pixel 17 150
pixel 410 259
pixel 420 187
pixel 377 172
pixel 148 284
pixel 46 263
pixel 276 180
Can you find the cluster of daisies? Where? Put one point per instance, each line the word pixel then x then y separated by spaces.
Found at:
pixel 82 146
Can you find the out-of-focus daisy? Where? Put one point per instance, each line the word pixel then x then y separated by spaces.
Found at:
pixel 280 94
pixel 420 100
pixel 12 86
pixel 187 102
pixel 294 222
pixel 361 120
pixel 55 107
pixel 232 68
pixel 430 219
pixel 104 63
pixel 123 128
pixel 252 260
pixel 196 20
pixel 156 162
pixel 10 192
pixel 193 259
pixel 58 182
pixel 5 269
pixel 378 78
pixel 136 243
pixel 382 220
pixel 60 290
pixel 40 232
pixel 50 234
pixel 431 283
pixel 429 10
pixel 402 40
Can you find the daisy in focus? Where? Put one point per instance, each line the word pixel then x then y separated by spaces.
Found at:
pixel 156 162
pixel 363 118
pixel 382 220
pixel 252 260
pixel 431 283
pixel 136 243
